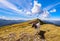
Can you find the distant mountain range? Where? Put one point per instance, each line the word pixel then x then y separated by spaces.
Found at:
pixel 4 22
pixel 56 22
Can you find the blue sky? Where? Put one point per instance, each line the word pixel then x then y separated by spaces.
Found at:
pixel 29 9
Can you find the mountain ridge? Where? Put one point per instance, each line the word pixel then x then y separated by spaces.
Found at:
pixel 4 22
pixel 24 31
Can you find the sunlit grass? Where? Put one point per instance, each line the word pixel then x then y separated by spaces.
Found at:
pixel 19 30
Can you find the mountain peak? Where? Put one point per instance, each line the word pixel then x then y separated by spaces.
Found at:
pixel 37 20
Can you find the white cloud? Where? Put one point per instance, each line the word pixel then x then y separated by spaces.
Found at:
pixel 28 12
pixel 44 14
pixel 9 5
pixel 14 18
pixel 36 8
pixel 4 17
pixel 53 10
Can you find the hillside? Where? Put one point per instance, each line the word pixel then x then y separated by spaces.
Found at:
pixel 25 32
